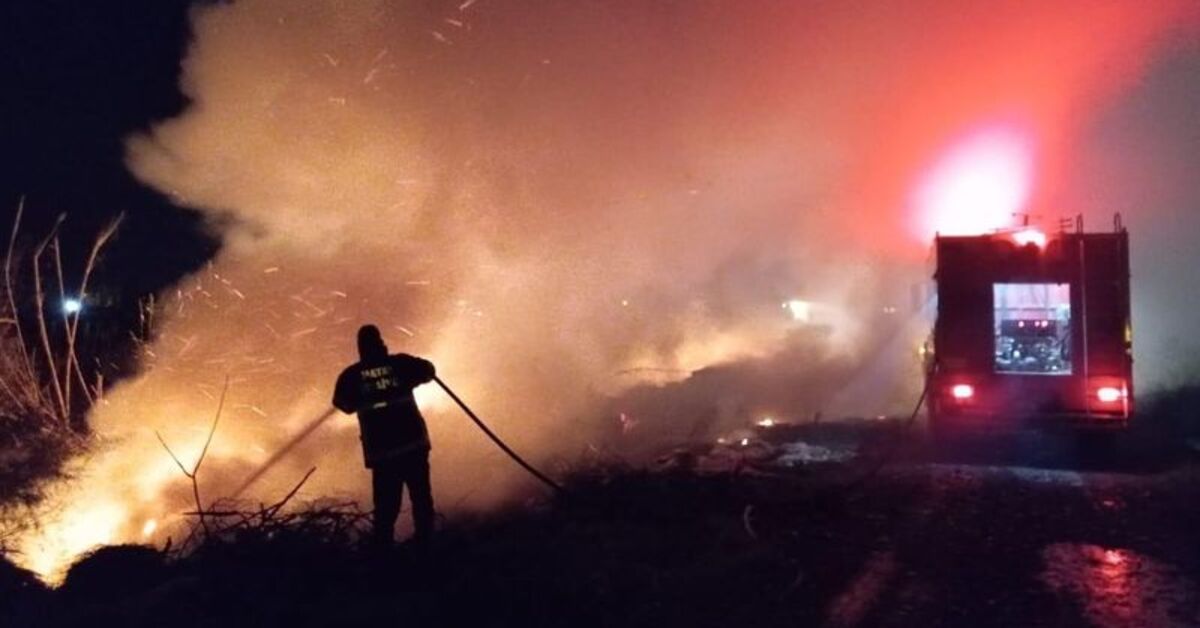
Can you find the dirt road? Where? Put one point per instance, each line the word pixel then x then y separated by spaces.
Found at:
pixel 1022 530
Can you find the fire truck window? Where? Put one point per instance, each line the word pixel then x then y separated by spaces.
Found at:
pixel 1032 323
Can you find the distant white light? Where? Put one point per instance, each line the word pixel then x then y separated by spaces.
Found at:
pixel 801 310
pixel 1030 236
pixel 72 306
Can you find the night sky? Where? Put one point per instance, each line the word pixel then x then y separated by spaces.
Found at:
pixel 78 78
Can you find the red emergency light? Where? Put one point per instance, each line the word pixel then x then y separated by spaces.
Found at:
pixel 962 392
pixel 1110 394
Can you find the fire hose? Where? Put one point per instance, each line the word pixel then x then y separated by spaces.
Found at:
pixel 496 439
pixel 891 451
pixel 320 420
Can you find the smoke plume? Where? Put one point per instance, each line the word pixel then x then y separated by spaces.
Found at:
pixel 566 202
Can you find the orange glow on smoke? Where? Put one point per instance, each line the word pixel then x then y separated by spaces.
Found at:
pixel 511 206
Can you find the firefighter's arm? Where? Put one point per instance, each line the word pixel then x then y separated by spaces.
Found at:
pixel 414 371
pixel 425 370
pixel 345 392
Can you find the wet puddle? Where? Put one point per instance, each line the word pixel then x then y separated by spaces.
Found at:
pixel 1119 587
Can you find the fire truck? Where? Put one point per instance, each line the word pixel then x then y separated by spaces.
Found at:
pixel 1032 328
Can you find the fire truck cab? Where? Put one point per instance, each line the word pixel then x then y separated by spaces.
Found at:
pixel 1032 328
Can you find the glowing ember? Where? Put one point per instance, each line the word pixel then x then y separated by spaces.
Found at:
pixel 766 422
pixel 149 527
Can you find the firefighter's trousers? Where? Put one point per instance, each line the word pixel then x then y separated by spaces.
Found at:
pixel 388 480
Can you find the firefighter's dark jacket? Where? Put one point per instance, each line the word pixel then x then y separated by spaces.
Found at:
pixel 381 392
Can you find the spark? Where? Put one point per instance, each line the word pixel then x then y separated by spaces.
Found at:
pixel 405 330
pixel 303 332
pixel 441 38
pixel 150 526
pixel 466 5
pixel 253 408
pixel 328 57
pixel 316 310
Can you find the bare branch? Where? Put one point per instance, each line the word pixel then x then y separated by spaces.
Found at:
pixel 68 361
pixel 275 508
pixel 172 454
pixel 212 430
pixel 73 321
pixel 22 345
pixel 40 301
pixel 191 475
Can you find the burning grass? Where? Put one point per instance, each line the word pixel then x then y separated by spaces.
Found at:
pixel 619 544
pixel 620 547
pixel 670 545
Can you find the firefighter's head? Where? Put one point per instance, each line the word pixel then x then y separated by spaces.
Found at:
pixel 370 343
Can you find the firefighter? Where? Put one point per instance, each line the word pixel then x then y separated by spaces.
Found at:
pixel 395 441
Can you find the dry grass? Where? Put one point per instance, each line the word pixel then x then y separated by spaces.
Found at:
pixel 45 391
